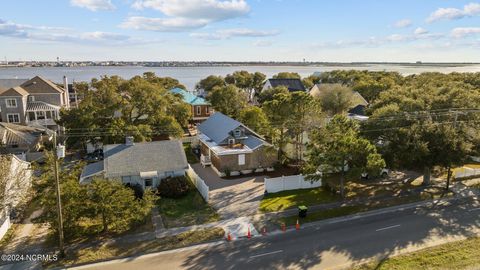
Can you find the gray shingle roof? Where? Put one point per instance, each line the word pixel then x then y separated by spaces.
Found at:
pixel 218 126
pixel 39 85
pixel 292 84
pixel 161 156
pixel 9 83
pixel 92 169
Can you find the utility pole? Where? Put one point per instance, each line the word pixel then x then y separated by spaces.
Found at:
pixel 59 201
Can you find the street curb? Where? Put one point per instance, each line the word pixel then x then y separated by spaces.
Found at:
pixel 366 214
pixel 126 259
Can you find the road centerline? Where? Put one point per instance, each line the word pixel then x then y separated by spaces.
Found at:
pixel 386 228
pixel 474 209
pixel 265 254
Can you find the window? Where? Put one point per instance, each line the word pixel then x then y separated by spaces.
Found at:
pixel 207 110
pixel 237 133
pixel 231 141
pixel 31 98
pixel 11 103
pixel 199 110
pixel 40 115
pixel 13 118
pixel 148 182
pixel 241 159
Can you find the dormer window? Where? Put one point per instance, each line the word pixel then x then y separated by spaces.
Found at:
pixel 237 133
pixel 31 98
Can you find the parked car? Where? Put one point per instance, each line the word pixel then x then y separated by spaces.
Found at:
pixel 383 173
pixel 95 156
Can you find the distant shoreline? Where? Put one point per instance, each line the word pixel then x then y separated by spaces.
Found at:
pixel 226 64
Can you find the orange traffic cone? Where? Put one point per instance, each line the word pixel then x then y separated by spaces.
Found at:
pixel 264 231
pixel 229 237
pixel 297 226
pixel 249 234
pixel 284 227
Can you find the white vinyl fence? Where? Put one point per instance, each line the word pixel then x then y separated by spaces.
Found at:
pixel 466 172
pixel 292 182
pixel 4 223
pixel 193 140
pixel 198 182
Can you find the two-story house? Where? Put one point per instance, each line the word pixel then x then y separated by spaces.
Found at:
pixel 201 109
pixel 232 148
pixel 36 102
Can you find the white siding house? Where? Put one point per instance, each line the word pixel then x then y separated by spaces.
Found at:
pixel 145 164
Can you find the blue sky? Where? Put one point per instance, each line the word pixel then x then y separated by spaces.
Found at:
pixel 241 30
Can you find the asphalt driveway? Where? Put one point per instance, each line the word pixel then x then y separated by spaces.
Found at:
pixel 233 197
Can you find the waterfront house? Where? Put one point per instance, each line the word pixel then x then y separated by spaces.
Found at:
pixel 144 164
pixel 232 148
pixel 201 109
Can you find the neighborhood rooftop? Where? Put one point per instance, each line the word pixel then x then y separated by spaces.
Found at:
pixel 9 83
pixel 218 126
pixel 122 159
pixel 291 84
pixel 12 134
pixel 189 97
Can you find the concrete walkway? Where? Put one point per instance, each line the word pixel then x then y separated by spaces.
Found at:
pixel 29 236
pixel 237 227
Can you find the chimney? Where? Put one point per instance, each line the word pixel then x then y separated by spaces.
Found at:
pixel 67 93
pixel 129 140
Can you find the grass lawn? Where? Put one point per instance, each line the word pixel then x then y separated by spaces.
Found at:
pixel 344 211
pixel 191 158
pixel 8 236
pixel 112 250
pixel 186 211
pixel 293 198
pixel 456 255
pixel 353 209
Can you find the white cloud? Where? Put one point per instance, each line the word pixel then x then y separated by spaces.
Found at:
pixel 472 9
pixel 93 5
pixel 183 15
pixel 462 32
pixel 403 23
pixel 235 32
pixel 212 10
pixel 163 24
pixel 59 34
pixel 420 31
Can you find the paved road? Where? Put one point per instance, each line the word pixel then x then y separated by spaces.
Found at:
pixel 324 245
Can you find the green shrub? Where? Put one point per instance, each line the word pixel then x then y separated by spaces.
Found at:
pixel 173 187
